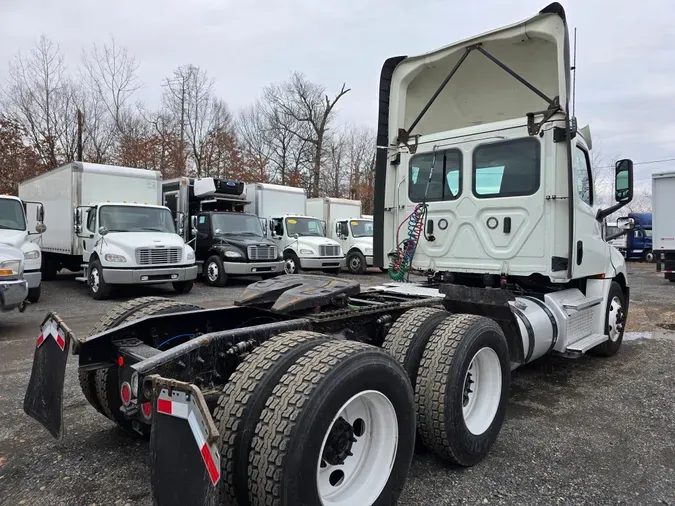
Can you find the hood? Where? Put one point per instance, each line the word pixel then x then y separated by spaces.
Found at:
pixel 317 241
pixel 243 241
pixel 8 252
pixel 480 91
pixel 13 237
pixel 132 240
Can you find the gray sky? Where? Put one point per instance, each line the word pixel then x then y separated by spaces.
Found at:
pixel 626 55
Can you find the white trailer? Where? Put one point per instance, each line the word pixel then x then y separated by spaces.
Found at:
pixel 107 221
pixel 300 236
pixel 663 225
pixel 346 225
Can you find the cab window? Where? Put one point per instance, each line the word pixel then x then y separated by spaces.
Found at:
pixel 91 219
pixel 507 169
pixel 583 169
pixel 446 178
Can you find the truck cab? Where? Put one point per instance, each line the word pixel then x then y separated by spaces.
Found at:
pixel 639 239
pixel 14 231
pixel 355 235
pixel 228 242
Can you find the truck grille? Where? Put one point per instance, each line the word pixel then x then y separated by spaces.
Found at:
pixel 154 256
pixel 329 251
pixel 262 252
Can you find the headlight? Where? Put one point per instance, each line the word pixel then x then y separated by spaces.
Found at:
pixel 232 254
pixel 306 252
pixel 10 268
pixel 369 251
pixel 191 255
pixel 32 255
pixel 111 257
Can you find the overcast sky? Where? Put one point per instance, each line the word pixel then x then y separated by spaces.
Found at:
pixel 626 55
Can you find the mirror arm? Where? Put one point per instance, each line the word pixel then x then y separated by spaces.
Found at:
pixel 603 213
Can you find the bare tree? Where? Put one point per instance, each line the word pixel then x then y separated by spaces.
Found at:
pixel 43 100
pixel 311 110
pixel 110 76
pixel 189 96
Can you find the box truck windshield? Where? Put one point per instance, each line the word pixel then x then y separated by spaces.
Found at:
pixel 11 215
pixel 136 219
pixel 305 227
pixel 228 224
pixel 361 228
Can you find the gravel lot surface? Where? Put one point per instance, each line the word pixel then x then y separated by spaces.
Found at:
pixel 587 431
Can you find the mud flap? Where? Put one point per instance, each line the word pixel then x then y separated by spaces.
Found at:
pixel 184 458
pixel 44 396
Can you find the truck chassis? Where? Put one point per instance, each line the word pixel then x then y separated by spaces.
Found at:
pixel 258 386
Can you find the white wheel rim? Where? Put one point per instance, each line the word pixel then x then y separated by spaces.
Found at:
pixel 289 266
pixel 95 281
pixel 362 476
pixel 212 271
pixel 615 319
pixel 482 391
pixel 650 257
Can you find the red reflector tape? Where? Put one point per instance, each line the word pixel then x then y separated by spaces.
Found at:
pixel 51 329
pixel 214 474
pixel 164 406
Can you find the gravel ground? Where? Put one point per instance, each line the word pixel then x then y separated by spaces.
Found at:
pixel 586 431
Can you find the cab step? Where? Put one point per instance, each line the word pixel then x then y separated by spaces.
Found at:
pixel 586 343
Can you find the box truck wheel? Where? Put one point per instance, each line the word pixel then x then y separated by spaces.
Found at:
pixel 98 288
pixel 462 388
pixel 116 316
pixel 107 380
pixel 409 335
pixel 648 256
pixel 214 271
pixel 615 322
pixel 34 294
pixel 356 262
pixel 183 286
pixel 243 400
pixel 338 429
pixel 291 263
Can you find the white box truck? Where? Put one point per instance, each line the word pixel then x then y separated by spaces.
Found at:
pixel 345 224
pixel 300 237
pixel 15 231
pixel 663 226
pixel 106 220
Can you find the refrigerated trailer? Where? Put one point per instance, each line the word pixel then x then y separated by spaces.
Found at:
pixel 106 221
pixel 311 389
pixel 663 225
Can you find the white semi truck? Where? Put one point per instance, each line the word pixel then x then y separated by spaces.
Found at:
pixel 15 231
pixel 300 237
pixel 346 225
pixel 663 225
pixel 106 221
pixel 312 389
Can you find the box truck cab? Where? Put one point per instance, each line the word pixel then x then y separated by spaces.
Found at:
pixel 107 221
pixel 639 239
pixel 345 225
pixel 227 241
pixel 14 231
pixel 301 238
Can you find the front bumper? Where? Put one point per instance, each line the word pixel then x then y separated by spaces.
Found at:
pixel 149 276
pixel 322 263
pixel 253 268
pixel 33 278
pixel 369 260
pixel 13 293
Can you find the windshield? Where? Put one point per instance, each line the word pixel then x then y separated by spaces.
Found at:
pixel 136 219
pixel 361 228
pixel 236 224
pixel 11 215
pixel 304 227
pixel 648 233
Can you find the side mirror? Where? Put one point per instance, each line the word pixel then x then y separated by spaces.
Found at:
pixel 323 226
pixel 102 231
pixel 40 228
pixel 623 181
pixel 180 223
pixel 193 224
pixel 625 223
pixel 77 220
pixel 40 214
pixel 263 224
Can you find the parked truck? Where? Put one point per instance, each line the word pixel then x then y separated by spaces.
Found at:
pixel 346 226
pixel 302 239
pixel 639 239
pixel 107 221
pixel 663 210
pixel 312 389
pixel 227 241
pixel 16 231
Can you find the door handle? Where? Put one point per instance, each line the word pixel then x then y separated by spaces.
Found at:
pixel 507 225
pixel 580 252
pixel 430 227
